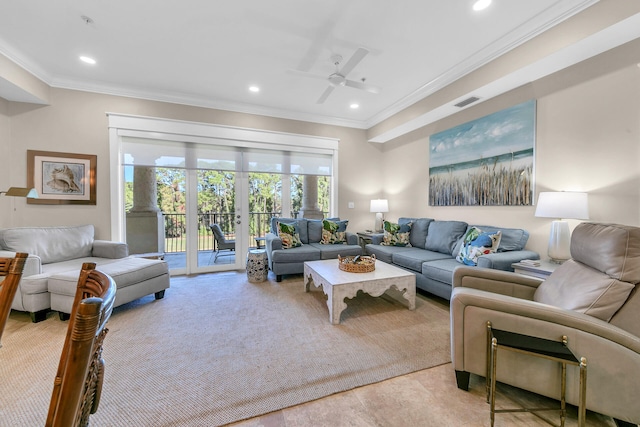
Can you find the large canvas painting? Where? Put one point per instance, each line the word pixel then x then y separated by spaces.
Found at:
pixel 485 162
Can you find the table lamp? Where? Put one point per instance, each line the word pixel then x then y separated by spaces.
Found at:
pixel 379 206
pixel 561 205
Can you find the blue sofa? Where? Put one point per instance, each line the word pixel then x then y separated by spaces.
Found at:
pixel 291 261
pixel 433 250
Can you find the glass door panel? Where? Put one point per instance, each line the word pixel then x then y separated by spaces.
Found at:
pixel 217 220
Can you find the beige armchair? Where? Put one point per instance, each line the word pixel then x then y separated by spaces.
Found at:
pixel 592 299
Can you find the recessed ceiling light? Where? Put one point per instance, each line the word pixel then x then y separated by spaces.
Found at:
pixel 255 89
pixel 88 60
pixel 354 106
pixel 481 4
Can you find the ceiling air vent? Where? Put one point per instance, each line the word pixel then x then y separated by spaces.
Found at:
pixel 467 102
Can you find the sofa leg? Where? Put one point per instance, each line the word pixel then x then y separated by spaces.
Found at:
pixel 278 277
pixel 462 379
pixel 621 423
pixel 38 316
pixel 160 294
pixel 64 316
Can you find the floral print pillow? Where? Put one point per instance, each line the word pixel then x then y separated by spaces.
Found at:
pixel 476 243
pixel 289 235
pixel 396 234
pixel 334 232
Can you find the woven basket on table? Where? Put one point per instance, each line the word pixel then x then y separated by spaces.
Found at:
pixel 365 264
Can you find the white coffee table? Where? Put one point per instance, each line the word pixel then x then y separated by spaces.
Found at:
pixel 338 285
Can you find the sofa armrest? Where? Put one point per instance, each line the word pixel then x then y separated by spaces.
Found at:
pixel 32 266
pixel 503 260
pixel 496 281
pixel 272 242
pixel 352 238
pixel 109 249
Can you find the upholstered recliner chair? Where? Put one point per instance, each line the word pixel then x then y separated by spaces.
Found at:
pixel 592 299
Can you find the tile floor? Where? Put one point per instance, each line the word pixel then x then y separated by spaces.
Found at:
pixel 424 398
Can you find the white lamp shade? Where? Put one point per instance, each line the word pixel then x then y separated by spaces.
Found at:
pixel 563 204
pixel 379 205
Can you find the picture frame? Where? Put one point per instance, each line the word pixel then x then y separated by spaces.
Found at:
pixel 62 178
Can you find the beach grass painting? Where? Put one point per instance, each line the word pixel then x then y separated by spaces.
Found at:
pixel 485 162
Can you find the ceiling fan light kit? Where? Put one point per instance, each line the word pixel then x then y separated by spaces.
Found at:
pixel 339 77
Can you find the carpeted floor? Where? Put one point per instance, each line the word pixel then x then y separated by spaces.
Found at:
pixel 218 349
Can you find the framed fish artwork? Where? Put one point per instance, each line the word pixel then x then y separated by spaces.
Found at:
pixel 62 178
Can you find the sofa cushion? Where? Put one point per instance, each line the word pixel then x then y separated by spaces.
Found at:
pixel 296 255
pixel 289 234
pixel 334 232
pixel 414 258
pixel 314 229
pixel 300 223
pixel 396 234
pixel 512 239
pixel 443 236
pixel 419 230
pixel 125 272
pixel 477 242
pixel 574 286
pixel 51 244
pixel 440 270
pixel 385 253
pixel 332 251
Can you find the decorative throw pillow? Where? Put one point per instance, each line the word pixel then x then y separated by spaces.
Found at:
pixel 289 235
pixel 475 243
pixel 334 232
pixel 396 234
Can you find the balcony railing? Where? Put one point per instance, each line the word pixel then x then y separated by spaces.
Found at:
pixel 175 229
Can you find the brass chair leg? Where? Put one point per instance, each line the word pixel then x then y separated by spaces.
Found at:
pixel 494 363
pixel 488 371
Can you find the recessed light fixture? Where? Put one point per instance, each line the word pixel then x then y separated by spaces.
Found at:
pixel 481 4
pixel 88 60
pixel 254 89
pixel 354 106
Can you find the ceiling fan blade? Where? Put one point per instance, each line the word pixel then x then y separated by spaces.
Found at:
pixel 363 86
pixel 325 95
pixel 305 74
pixel 353 61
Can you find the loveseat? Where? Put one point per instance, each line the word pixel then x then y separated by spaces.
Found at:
pixel 56 255
pixel 290 260
pixel 432 247
pixel 591 299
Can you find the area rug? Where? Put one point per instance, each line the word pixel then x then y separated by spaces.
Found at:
pixel 218 349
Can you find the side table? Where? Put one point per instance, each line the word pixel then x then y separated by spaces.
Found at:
pixel 257 265
pixel 541 271
pixel 367 236
pixel 556 351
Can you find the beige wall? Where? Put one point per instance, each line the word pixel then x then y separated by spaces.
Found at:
pixel 588 139
pixel 76 122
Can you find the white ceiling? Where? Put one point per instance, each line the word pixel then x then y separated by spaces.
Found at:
pixel 207 53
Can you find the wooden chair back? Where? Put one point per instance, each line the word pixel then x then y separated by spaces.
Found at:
pixel 78 382
pixel 11 269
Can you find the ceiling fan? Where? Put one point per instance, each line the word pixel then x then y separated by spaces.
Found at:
pixel 339 77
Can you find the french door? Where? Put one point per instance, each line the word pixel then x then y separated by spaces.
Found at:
pixel 214 171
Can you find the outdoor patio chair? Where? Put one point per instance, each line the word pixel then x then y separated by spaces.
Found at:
pixel 221 242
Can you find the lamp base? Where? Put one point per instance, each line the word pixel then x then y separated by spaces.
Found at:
pixel 559 242
pixel 378 224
